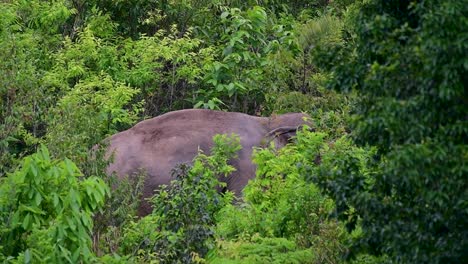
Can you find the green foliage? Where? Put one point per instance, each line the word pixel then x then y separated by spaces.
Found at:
pixel 321 33
pixel 101 81
pixel 28 34
pixel 90 111
pixel 46 211
pixel 329 110
pixel 331 175
pixel 306 86
pixel 167 69
pixel 184 212
pixel 163 67
pixel 130 16
pixel 237 74
pixel 136 18
pixel 407 61
pixel 279 203
pixel 262 250
pixel 74 72
pixel 250 46
pixel 118 213
pixel 279 7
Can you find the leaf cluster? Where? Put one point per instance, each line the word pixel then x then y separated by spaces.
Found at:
pixel 407 63
pixel 46 211
pixel 181 227
pixel 280 206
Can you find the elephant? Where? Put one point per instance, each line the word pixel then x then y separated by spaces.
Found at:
pixel 158 144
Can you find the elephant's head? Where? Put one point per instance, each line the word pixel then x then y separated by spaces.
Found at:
pixel 284 127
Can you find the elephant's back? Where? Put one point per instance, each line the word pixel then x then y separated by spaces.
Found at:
pixel 196 117
pixel 123 148
pixel 191 124
pixel 177 137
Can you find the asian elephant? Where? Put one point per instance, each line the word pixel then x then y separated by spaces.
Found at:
pixel 158 144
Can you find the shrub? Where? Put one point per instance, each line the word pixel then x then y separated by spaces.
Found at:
pixel 46 211
pixel 407 62
pixel 280 204
pixel 181 227
pixel 262 250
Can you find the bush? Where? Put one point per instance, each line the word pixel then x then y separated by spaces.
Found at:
pixel 280 204
pixel 407 62
pixel 181 227
pixel 262 250
pixel 46 211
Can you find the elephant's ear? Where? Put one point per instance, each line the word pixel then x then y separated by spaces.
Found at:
pixel 281 135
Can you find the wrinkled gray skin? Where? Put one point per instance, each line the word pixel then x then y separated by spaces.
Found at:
pixel 157 145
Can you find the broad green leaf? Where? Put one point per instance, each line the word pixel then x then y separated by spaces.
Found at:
pixel 26 221
pixel 27 256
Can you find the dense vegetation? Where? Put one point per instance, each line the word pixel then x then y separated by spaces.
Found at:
pixel 382 179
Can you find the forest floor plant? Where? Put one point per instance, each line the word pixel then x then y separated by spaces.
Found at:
pixel 181 227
